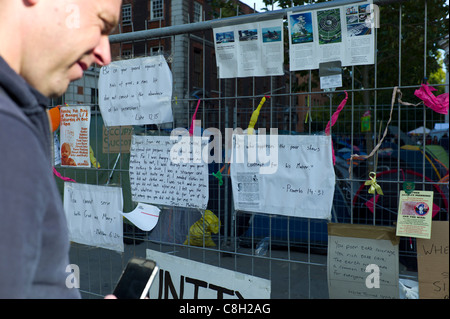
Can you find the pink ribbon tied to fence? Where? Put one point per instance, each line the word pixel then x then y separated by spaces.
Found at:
pixel 438 103
pixel 191 129
pixel 66 179
pixel 333 120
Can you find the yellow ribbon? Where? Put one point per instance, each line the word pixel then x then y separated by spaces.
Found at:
pixel 374 187
pixel 254 117
pixel 93 159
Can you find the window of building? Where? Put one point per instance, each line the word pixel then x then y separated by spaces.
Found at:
pixel 198 9
pixel 126 13
pixel 157 9
pixel 156 50
pixel 198 68
pixel 127 54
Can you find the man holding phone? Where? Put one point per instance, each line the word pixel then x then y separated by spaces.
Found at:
pixel 44 45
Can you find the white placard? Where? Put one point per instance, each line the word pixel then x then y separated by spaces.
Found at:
pixel 92 215
pixel 169 170
pixel 331 81
pixel 189 279
pixel 252 49
pixel 290 175
pixel 74 135
pixel 136 92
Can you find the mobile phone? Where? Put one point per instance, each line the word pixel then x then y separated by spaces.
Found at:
pixel 136 279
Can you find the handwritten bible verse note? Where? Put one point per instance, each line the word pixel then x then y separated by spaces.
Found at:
pixel 169 171
pixel 93 216
pixel 284 175
pixel 136 92
pixel 362 262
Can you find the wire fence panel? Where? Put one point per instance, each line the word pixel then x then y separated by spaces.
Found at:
pixel 296 258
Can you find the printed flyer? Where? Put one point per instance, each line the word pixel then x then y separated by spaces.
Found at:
pixel 337 34
pixel 415 214
pixel 74 136
pixel 252 49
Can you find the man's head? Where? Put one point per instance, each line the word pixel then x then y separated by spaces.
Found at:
pixel 51 42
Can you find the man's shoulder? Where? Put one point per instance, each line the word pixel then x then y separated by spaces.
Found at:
pixel 9 109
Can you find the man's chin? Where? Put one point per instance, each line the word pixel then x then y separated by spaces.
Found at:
pixel 57 91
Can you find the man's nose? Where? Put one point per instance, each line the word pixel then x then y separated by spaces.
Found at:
pixel 102 52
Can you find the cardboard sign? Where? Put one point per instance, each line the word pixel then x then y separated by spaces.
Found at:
pixel 117 139
pixel 432 263
pixel 362 262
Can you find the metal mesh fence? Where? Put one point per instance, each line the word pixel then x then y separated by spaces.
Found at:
pixel 296 259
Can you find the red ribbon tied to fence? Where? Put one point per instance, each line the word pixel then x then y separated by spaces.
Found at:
pixel 333 120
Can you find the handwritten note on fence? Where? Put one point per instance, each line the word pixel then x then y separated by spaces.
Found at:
pixel 285 175
pixel 136 92
pixel 168 171
pixel 360 264
pixel 93 215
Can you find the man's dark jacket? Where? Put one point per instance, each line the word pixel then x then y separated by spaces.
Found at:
pixel 34 244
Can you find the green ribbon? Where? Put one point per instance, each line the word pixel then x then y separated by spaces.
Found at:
pixel 218 175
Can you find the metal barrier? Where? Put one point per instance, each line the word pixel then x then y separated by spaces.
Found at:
pixel 296 261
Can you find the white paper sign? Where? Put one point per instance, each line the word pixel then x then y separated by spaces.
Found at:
pixel 92 215
pixel 74 135
pixel 136 92
pixel 144 216
pixel 168 170
pixel 334 34
pixel 298 179
pixel 186 279
pixel 331 81
pixel 253 49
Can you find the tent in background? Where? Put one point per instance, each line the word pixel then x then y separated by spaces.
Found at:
pixel 420 130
